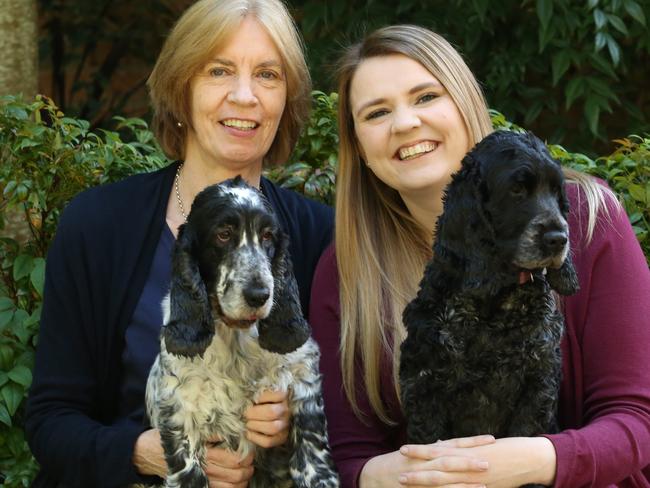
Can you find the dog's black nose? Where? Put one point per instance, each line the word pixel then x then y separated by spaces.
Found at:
pixel 256 296
pixel 555 240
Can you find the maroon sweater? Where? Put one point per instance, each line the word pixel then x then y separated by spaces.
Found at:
pixel 604 408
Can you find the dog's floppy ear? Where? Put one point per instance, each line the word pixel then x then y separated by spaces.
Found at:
pixel 190 328
pixel 563 280
pixel 285 329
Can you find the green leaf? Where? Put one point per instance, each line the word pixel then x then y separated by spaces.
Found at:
pixel 22 266
pixel 544 12
pixel 640 194
pixel 600 18
pixel 6 303
pixel 5 318
pixel 614 50
pixel 560 64
pixel 3 378
pixel 592 113
pixel 635 11
pixel 21 375
pixel 5 418
pixel 573 90
pixel 600 41
pixel 618 24
pixel 37 276
pixel 12 395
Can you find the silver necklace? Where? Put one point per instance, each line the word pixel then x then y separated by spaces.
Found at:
pixel 178 193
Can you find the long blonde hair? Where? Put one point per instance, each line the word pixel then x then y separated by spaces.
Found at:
pixel 381 250
pixel 204 27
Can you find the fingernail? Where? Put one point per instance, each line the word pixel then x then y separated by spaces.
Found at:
pixel 402 479
pixel 404 450
pixel 483 465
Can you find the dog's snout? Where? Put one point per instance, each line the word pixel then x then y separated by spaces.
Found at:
pixel 555 240
pixel 256 295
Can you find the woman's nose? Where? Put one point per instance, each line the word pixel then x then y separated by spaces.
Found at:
pixel 405 119
pixel 242 92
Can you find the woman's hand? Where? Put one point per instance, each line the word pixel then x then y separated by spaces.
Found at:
pixel 509 462
pixel 148 454
pixel 438 461
pixel 268 421
pixel 223 468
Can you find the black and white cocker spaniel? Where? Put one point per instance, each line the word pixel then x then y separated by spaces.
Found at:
pixel 233 328
pixel 482 354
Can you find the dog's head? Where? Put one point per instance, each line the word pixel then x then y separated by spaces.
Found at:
pixel 520 208
pixel 226 266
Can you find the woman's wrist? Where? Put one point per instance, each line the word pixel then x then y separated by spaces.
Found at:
pixel 148 455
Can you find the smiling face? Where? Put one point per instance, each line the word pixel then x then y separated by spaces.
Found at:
pixel 409 130
pixel 237 101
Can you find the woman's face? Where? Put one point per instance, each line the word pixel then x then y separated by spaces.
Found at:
pixel 237 100
pixel 409 130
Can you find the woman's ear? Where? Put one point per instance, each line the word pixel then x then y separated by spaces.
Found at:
pixel 190 328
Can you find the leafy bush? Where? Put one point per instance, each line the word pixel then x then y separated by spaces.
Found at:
pixel 311 169
pixel 46 158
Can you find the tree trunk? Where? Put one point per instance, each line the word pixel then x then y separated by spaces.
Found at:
pixel 18 48
pixel 18 75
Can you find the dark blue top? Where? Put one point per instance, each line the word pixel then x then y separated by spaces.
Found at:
pixel 97 267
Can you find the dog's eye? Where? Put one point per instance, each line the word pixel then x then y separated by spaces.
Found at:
pixel 224 235
pixel 518 190
pixel 267 235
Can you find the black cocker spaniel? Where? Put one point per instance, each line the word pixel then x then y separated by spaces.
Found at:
pixel 482 354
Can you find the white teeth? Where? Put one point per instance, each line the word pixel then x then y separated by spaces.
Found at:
pixel 417 149
pixel 239 124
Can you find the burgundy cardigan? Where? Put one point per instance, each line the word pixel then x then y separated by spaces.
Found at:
pixel 604 408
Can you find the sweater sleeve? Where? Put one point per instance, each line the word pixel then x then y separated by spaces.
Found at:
pixel 66 438
pixel 610 322
pixel 352 440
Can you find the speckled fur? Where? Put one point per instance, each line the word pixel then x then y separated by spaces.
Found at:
pixel 482 355
pixel 215 372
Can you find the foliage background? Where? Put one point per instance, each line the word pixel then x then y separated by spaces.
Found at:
pixel 574 72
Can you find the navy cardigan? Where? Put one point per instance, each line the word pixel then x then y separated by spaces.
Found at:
pixel 96 269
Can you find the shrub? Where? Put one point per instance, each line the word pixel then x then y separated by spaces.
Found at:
pixel 46 158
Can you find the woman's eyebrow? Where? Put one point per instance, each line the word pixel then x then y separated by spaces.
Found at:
pixel 270 63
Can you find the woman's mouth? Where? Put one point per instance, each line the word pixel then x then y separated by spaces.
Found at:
pixel 416 150
pixel 240 124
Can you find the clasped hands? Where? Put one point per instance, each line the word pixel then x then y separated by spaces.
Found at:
pixel 267 424
pixel 469 462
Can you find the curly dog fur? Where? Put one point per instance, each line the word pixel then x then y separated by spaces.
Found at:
pixel 233 328
pixel 482 355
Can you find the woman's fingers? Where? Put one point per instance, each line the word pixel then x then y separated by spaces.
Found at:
pixel 272 427
pixel 441 448
pixel 226 468
pixel 267 441
pixel 477 440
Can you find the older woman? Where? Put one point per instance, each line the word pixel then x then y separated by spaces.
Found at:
pixel 230 93
pixel 409 109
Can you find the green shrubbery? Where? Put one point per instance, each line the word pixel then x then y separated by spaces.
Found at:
pixel 46 158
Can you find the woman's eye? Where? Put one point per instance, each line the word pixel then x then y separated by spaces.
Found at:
pixel 224 235
pixel 268 75
pixel 427 97
pixel 216 72
pixel 376 113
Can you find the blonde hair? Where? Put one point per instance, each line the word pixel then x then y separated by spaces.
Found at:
pixel 381 250
pixel 199 32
